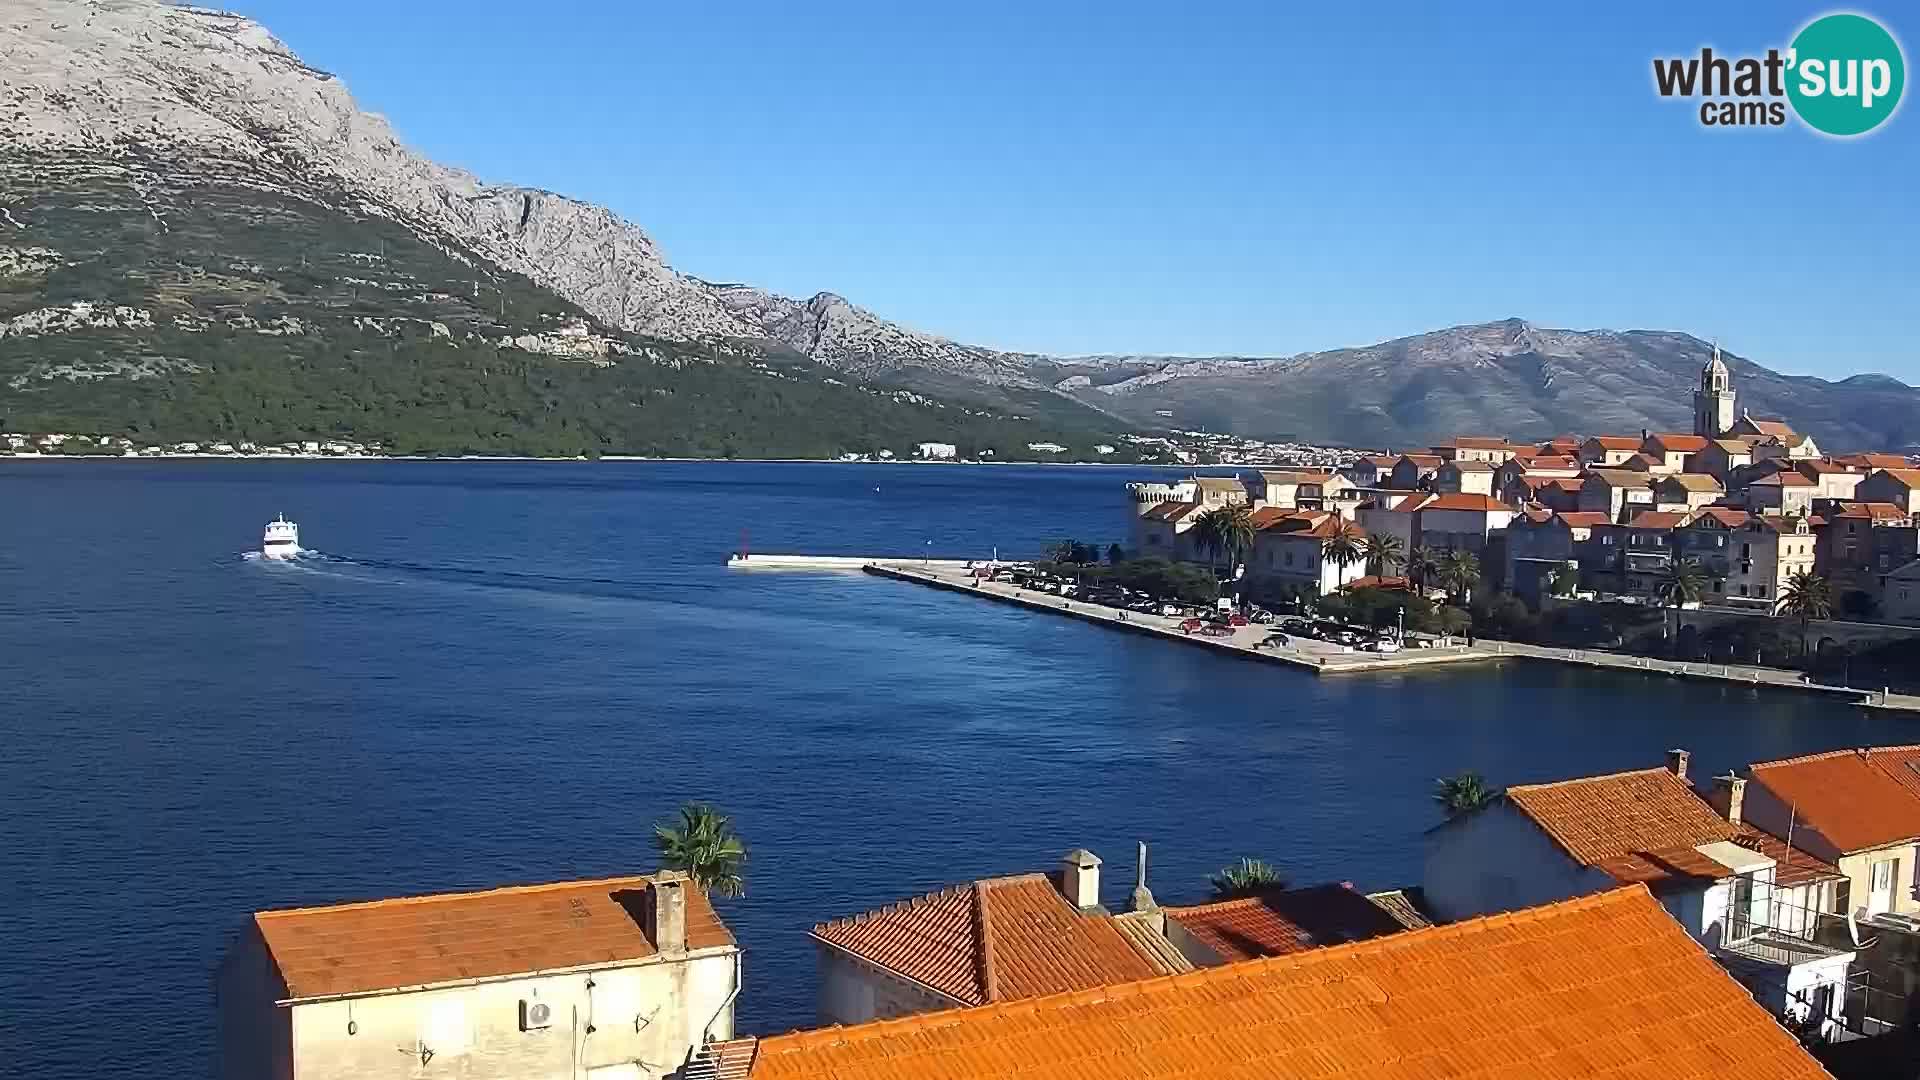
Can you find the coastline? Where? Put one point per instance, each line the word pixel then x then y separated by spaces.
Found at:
pixel 587 460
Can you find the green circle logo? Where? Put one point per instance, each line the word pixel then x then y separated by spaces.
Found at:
pixel 1845 74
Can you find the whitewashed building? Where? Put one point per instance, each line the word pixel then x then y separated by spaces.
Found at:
pixel 1742 892
pixel 614 979
pixel 936 451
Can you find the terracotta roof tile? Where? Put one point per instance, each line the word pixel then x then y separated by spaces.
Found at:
pixel 1678 444
pixel 1621 477
pixel 1874 461
pixel 1465 501
pixel 1614 442
pixel 1782 479
pixel 1430 461
pixel 1857 799
pixel 1776 428
pixel 1657 519
pixel 1600 818
pixel 1725 516
pixel 1584 519
pixel 1908 477
pixel 1471 466
pixel 1604 984
pixel 363 948
pixel 993 940
pixel 1874 511
pixel 1282 922
pixel 1543 463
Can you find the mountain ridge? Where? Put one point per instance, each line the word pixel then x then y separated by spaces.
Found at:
pixel 162 95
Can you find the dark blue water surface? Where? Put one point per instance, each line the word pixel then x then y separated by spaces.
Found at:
pixel 506 671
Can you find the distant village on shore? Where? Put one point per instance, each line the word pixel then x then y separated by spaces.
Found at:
pixel 1742 507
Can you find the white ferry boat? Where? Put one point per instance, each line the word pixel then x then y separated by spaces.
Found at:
pixel 282 539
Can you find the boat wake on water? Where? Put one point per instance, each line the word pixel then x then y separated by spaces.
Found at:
pixel 310 563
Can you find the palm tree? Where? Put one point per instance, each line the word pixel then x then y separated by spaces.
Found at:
pixel 1564 580
pixel 1248 877
pixel 1682 584
pixel 1810 597
pixel 1344 548
pixel 1383 552
pixel 703 844
pixel 1462 792
pixel 1460 573
pixel 1236 534
pixel 1209 536
pixel 1422 567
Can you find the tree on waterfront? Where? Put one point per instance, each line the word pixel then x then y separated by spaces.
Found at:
pixel 1422 567
pixel 1384 554
pixel 1224 530
pixel 1459 573
pixel 1248 877
pixel 1683 583
pixel 1462 792
pixel 703 844
pixel 1453 621
pixel 1807 596
pixel 1344 548
pixel 1564 581
pixel 1115 556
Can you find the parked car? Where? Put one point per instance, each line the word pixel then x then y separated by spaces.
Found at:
pixel 1383 645
pixel 1262 617
pixel 1188 626
pixel 1215 630
pixel 1172 610
pixel 1296 626
pixel 1274 641
pixel 1236 619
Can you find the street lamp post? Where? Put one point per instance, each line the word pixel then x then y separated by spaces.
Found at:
pixel 1401 623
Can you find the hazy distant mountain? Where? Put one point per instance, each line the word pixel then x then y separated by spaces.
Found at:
pixel 122 119
pixel 1504 377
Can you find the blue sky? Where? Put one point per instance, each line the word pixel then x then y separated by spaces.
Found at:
pixel 1131 177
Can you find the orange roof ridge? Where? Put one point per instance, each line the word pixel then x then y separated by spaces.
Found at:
pixel 908 904
pixel 428 898
pixel 988 973
pixel 1857 751
pixel 1588 779
pixel 1223 973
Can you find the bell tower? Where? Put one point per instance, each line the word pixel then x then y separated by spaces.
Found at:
pixel 1713 402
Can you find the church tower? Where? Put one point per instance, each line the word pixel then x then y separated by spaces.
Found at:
pixel 1713 402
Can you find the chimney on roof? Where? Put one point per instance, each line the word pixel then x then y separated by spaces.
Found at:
pixel 1142 897
pixel 667 912
pixel 1677 762
pixel 1729 792
pixel 1645 434
pixel 1080 878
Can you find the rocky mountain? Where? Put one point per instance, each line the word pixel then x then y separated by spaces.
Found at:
pixel 179 127
pixel 1507 377
pixel 200 234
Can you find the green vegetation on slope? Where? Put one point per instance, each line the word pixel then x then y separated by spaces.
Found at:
pixel 256 315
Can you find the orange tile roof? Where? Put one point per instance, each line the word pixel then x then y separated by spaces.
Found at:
pixel 1603 820
pixel 1607 984
pixel 1874 461
pixel 1584 519
pixel 1725 516
pixel 1423 460
pixel 1782 479
pixel 992 940
pixel 1621 477
pixel 1678 444
pixel 1857 799
pixel 1776 428
pixel 1544 463
pixel 1281 922
pixel 1657 519
pixel 1465 501
pixel 1908 477
pixel 1615 442
pixel 1874 511
pixel 380 945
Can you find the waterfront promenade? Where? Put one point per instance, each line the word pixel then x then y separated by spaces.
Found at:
pixel 1325 659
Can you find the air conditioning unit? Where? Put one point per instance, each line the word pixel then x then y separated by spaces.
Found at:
pixel 535 1015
